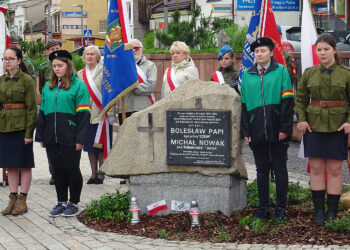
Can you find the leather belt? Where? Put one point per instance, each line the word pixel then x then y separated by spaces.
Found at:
pixel 327 104
pixel 13 106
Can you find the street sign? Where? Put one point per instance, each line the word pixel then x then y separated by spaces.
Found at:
pixel 87 33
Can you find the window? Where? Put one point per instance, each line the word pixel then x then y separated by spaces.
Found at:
pixel 103 25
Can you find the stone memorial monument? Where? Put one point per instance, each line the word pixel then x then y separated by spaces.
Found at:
pixel 185 147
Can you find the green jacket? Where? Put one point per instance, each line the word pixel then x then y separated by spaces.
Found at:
pixel 30 68
pixel 267 104
pixel 44 72
pixel 19 89
pixel 64 115
pixel 318 83
pixel 230 74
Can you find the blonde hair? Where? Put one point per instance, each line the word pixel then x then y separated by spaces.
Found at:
pixel 96 49
pixel 66 80
pixel 180 46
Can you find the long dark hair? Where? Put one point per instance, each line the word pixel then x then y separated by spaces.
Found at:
pixel 66 80
pixel 19 55
pixel 328 38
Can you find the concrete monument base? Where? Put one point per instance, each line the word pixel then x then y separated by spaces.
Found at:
pixel 226 193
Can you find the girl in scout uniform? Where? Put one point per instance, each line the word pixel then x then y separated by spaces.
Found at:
pixel 323 116
pixel 267 122
pixel 62 129
pixel 226 74
pixel 18 114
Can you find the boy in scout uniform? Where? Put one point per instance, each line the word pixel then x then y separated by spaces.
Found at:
pixel 42 76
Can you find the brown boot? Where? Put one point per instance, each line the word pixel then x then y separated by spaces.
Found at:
pixel 21 205
pixel 11 205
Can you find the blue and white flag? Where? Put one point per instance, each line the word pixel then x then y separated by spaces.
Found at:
pixel 252 35
pixel 119 71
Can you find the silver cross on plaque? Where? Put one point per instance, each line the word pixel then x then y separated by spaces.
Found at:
pixel 150 129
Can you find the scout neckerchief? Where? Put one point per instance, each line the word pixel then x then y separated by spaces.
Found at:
pixel 143 78
pixel 171 78
pixel 218 77
pixel 102 133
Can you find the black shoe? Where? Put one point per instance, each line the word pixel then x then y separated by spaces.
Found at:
pixel 263 213
pixel 279 214
pixel 98 181
pixel 91 181
pixel 318 200
pixel 332 204
pixel 52 181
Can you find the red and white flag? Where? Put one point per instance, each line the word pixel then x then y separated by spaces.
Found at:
pixel 5 39
pixel 268 28
pixel 157 207
pixel 218 77
pixel 308 38
pixel 171 78
pixel 143 78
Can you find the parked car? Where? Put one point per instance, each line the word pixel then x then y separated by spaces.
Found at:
pixel 291 37
pixel 340 35
pixel 345 45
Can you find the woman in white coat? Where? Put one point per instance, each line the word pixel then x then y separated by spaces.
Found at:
pixel 181 70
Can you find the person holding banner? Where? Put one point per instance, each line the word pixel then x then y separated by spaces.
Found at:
pixel 182 68
pixel 62 129
pixel 92 77
pixel 226 74
pixel 267 122
pixel 322 111
pixel 18 115
pixel 142 96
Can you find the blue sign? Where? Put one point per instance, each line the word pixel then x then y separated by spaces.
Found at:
pixel 277 5
pixel 74 14
pixel 87 33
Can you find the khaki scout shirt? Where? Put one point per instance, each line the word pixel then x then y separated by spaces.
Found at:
pixel 44 75
pixel 19 89
pixel 319 83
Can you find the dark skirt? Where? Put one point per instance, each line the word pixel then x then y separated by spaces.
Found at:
pixel 333 145
pixel 89 143
pixel 14 153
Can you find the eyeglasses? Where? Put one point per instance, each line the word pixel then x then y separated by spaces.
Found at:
pixel 136 48
pixel 8 59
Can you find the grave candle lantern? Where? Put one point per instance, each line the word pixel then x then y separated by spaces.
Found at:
pixel 135 210
pixel 194 213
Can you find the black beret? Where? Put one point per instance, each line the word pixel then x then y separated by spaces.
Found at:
pixel 60 54
pixel 52 42
pixel 262 41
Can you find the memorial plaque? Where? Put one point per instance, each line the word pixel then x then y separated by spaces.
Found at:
pixel 198 137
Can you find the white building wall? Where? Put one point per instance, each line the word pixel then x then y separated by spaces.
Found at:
pixel 19 20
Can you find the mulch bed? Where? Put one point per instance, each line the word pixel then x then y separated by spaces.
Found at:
pixel 215 227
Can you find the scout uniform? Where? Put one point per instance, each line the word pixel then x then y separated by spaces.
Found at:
pixel 44 72
pixel 267 110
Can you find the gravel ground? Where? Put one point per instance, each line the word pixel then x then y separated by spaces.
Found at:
pixel 294 164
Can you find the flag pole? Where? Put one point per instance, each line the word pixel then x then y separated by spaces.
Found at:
pixel 123 109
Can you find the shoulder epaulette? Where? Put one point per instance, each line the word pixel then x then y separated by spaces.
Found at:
pixel 345 67
pixel 312 67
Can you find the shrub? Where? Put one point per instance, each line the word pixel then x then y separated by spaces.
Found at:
pixel 162 233
pixel 339 225
pixel 149 41
pixel 113 206
pixel 37 60
pixel 77 62
pixel 258 226
pixel 238 36
pixel 296 194
pixel 221 24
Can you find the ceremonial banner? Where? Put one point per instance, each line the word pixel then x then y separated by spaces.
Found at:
pixel 119 71
pixel 262 23
pixel 5 40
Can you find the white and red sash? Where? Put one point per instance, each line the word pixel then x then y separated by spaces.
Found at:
pixel 102 133
pixel 218 77
pixel 171 78
pixel 143 78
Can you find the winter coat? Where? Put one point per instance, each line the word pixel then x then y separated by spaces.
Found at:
pixel 138 99
pixel 183 73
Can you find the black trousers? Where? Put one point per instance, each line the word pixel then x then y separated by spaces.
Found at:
pixel 65 161
pixel 271 156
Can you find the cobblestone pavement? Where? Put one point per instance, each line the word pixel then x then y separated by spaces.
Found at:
pixel 36 230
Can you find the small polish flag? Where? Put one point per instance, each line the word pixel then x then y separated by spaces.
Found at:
pixel 157 207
